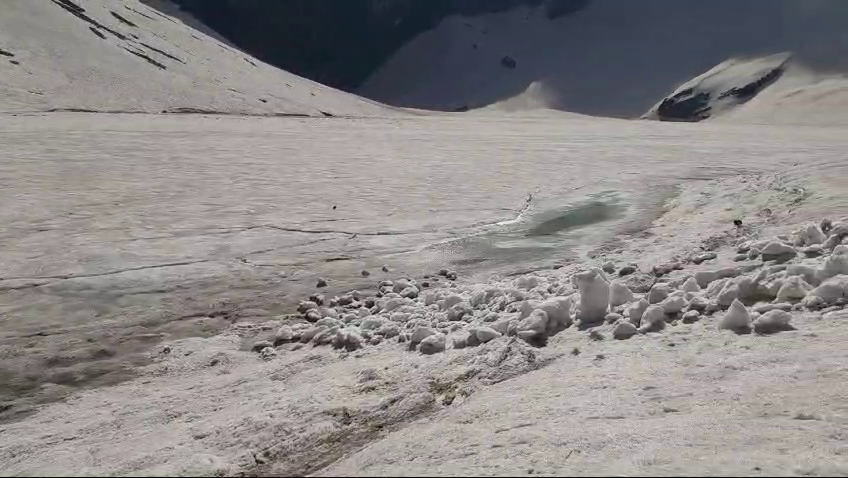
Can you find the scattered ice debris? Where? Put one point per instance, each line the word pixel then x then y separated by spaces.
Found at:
pixel 534 307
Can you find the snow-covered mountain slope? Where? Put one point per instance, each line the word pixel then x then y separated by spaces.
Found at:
pixel 727 85
pixel 611 59
pixel 124 55
pixel 768 90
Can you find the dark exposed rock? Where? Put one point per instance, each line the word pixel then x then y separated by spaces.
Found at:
pixel 508 62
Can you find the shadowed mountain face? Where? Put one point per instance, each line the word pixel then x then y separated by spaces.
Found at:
pixel 340 43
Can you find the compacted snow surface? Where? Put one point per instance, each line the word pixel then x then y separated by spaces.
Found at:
pixel 123 231
pixel 352 289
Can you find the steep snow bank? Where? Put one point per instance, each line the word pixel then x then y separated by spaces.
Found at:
pixel 122 55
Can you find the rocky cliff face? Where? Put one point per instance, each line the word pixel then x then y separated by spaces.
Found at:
pixel 340 43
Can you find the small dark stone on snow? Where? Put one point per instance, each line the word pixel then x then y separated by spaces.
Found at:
pixel 626 270
pixel 321 283
pixel 575 351
pixel 334 208
pixel 451 275
pixel 737 222
pixel 385 268
pixel 443 272
pixel 365 273
pixel 425 284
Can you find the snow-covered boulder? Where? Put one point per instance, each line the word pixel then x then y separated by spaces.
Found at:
pixel 737 318
pixel 594 296
pixel 807 272
pixel 485 334
pixel 329 322
pixel 831 291
pixel 310 333
pixel 777 249
pixel 690 285
pixel 421 333
pixel 526 282
pixel 433 344
pixel 635 311
pixel 536 324
pixel 728 294
pixel 704 278
pixel 349 339
pixel 794 288
pixel 691 316
pixel 619 294
pixel 559 313
pixel 698 303
pixel 673 304
pixel 772 322
pixel 653 319
pixel 658 293
pixel 835 264
pixel 624 330
pixel 809 235
pixel 284 334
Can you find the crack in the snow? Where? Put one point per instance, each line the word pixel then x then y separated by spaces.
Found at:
pixel 101 274
pixel 327 231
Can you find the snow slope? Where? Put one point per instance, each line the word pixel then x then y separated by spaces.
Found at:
pixel 611 58
pixel 129 230
pixel 125 56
